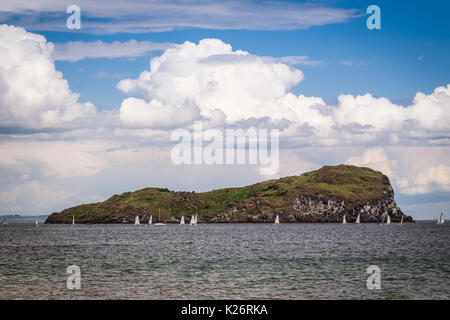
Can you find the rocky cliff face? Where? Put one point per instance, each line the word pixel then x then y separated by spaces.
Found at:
pixel 317 209
pixel 324 195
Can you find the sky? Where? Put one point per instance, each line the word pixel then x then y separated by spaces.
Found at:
pixel 87 113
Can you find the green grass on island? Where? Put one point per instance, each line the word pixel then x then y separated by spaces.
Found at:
pixel 354 185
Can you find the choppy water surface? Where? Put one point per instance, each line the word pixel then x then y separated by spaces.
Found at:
pixel 223 261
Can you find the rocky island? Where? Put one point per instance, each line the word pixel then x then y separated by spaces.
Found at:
pixel 324 195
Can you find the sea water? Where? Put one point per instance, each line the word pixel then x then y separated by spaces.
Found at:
pixel 225 261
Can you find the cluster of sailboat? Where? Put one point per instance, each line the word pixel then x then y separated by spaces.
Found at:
pixel 358 219
pixel 193 220
pixel 388 219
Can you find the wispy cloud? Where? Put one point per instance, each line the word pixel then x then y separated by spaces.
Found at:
pixel 245 57
pixel 302 60
pixel 78 50
pixel 353 63
pixel 106 75
pixel 111 16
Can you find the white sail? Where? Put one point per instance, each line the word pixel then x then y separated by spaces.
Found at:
pixel 358 220
pixel 441 219
pixel 344 221
pixel 277 220
pixel 401 221
pixel 73 220
pixel 388 219
pixel 196 219
pixel 136 222
pixel 182 220
pixel 36 223
pixel 150 220
pixel 192 221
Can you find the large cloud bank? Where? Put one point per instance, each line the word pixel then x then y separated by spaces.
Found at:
pixel 212 76
pixel 91 154
pixel 201 80
pixel 33 93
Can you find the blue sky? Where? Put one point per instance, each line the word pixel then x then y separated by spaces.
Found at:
pixel 337 54
pixel 407 55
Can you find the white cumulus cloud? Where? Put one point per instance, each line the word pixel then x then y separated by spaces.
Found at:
pixel 213 76
pixel 428 112
pixel 32 92
pixel 139 113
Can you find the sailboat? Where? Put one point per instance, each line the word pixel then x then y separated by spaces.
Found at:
pixel 194 220
pixel 36 223
pixel 136 221
pixel 277 220
pixel 441 219
pixel 388 219
pixel 150 220
pixel 159 219
pixel 344 221
pixel 182 220
pixel 73 220
pixel 358 220
pixel 401 221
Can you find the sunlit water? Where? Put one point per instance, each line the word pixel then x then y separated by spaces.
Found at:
pixel 225 261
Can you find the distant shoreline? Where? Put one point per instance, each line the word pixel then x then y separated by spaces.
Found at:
pixel 217 222
pixel 20 217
